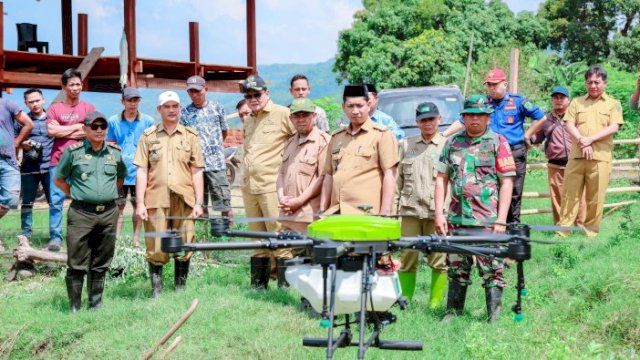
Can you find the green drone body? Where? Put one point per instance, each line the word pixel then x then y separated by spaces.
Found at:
pixel 355 228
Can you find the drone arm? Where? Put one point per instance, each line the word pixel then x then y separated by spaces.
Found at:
pixel 245 245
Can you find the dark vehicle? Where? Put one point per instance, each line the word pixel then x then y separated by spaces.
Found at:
pixel 401 104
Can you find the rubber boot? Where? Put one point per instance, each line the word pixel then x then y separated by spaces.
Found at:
pixel 438 285
pixel 455 300
pixel 260 271
pixel 155 274
pixel 493 297
pixel 95 284
pixel 281 269
pixel 407 283
pixel 75 282
pixel 181 273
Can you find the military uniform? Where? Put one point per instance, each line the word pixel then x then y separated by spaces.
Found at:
pixel 265 135
pixel 474 166
pixel 92 216
pixel 168 159
pixel 356 164
pixel 590 117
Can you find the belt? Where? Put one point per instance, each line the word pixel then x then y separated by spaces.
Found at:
pixel 561 162
pixel 94 208
pixel 517 145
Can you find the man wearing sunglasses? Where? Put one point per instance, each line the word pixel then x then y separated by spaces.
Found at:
pixel 94 170
pixel 265 131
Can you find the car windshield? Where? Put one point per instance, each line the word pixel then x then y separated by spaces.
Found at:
pixel 403 109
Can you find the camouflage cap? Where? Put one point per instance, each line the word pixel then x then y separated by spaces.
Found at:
pixel 302 105
pixel 476 104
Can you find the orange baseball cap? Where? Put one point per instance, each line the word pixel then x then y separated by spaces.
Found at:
pixel 495 75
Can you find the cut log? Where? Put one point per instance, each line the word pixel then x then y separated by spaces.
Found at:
pixel 25 253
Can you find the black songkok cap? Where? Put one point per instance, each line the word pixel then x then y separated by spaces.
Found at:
pixel 355 91
pixel 371 88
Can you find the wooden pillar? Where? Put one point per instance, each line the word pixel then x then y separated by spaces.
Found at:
pixel 251 36
pixel 130 31
pixel 513 70
pixel 194 47
pixel 83 35
pixel 67 27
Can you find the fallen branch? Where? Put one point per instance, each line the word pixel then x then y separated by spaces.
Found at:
pixel 171 331
pixel 25 253
pixel 172 347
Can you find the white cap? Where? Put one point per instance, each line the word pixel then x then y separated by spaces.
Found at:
pixel 168 96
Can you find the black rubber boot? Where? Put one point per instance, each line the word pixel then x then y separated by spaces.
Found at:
pixel 493 297
pixel 75 282
pixel 155 274
pixel 181 273
pixel 281 269
pixel 260 271
pixel 456 297
pixel 95 284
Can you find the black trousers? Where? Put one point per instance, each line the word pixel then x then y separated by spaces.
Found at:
pixel 91 239
pixel 520 157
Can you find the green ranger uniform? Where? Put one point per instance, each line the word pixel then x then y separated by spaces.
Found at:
pixel 92 216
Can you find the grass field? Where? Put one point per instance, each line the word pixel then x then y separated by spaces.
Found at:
pixel 583 303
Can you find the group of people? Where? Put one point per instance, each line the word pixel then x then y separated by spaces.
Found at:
pixel 469 177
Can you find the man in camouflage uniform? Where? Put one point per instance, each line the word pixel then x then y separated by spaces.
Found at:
pixel 415 203
pixel 478 165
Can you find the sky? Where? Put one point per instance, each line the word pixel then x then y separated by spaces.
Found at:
pixel 288 31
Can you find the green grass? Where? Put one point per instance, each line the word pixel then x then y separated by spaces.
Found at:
pixel 583 303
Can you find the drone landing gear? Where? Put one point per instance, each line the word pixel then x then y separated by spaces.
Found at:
pixel 377 319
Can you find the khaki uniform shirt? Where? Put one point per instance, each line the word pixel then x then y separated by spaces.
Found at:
pixel 590 116
pixel 417 173
pixel 301 165
pixel 357 163
pixel 168 160
pixel 265 135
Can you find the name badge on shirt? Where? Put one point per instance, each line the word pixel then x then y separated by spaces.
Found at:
pixel 510 120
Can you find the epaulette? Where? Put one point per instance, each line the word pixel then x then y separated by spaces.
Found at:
pixel 76 146
pixel 380 127
pixel 151 130
pixel 191 130
pixel 114 145
pixel 325 136
pixel 335 132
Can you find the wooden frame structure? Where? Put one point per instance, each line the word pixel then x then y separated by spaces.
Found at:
pixel 27 69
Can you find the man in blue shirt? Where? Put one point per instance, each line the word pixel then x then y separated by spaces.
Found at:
pixel 125 129
pixel 507 119
pixel 380 117
pixel 36 152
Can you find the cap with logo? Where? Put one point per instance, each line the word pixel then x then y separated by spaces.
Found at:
pixel 130 93
pixel 254 82
pixel 302 105
pixel 196 83
pixel 93 117
pixel 427 110
pixel 355 91
pixel 560 90
pixel 168 96
pixel 495 76
pixel 476 104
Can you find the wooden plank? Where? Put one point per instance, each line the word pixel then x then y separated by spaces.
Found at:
pixel 513 70
pixel 130 33
pixel 616 190
pixel 67 27
pixel 85 67
pixel 22 79
pixel 548 210
pixel 542 166
pixel 194 47
pixel 252 61
pixel 626 141
pixel 83 34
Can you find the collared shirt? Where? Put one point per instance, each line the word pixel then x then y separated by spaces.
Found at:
pixel 385 119
pixel 92 174
pixel 558 139
pixel 474 166
pixel 209 121
pixel 265 135
pixel 38 134
pixel 590 116
pixel 302 162
pixel 127 135
pixel 417 172
pixel 357 163
pixel 168 159
pixel 8 112
pixel 66 115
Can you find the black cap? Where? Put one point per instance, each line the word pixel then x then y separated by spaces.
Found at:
pixel 371 88
pixel 93 117
pixel 355 91
pixel 130 93
pixel 426 110
pixel 254 82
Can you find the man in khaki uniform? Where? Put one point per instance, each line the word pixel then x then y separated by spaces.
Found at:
pixel 300 175
pixel 169 186
pixel 592 120
pixel 265 132
pixel 361 168
pixel 414 200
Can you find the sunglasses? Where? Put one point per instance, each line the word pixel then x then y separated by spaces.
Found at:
pixel 253 96
pixel 101 126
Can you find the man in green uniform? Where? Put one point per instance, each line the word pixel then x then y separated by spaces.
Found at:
pixel 94 170
pixel 415 203
pixel 478 165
